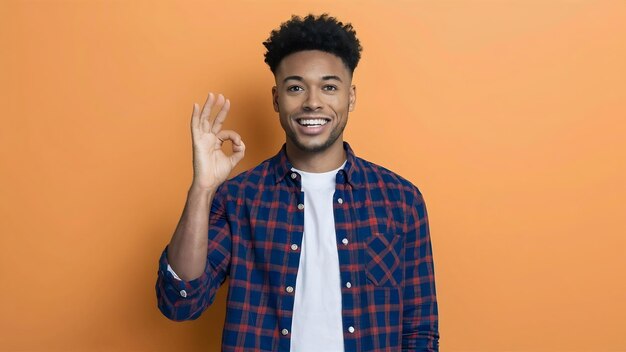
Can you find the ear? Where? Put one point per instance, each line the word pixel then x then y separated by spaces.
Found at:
pixel 352 101
pixel 275 98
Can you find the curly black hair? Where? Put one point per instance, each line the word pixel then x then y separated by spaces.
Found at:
pixel 323 33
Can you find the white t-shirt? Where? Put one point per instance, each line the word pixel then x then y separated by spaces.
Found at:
pixel 317 323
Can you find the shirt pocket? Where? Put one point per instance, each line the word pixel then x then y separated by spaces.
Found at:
pixel 384 259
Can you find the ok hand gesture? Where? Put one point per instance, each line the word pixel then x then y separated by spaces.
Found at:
pixel 211 166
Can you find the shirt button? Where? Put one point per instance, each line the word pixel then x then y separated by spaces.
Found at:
pixel 284 332
pixel 294 247
pixel 183 293
pixel 348 284
pixel 351 329
pixel 289 289
pixel 300 206
pixel 340 201
pixel 294 175
pixel 345 241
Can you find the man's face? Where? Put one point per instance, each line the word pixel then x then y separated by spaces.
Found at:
pixel 313 95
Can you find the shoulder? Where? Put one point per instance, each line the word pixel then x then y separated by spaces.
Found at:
pixel 377 176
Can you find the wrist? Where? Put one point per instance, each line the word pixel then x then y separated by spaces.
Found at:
pixel 197 188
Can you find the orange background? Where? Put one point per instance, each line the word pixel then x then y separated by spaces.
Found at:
pixel 508 115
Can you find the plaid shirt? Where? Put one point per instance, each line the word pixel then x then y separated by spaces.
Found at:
pixel 255 237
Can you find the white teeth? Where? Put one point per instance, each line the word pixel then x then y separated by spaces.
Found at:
pixel 310 122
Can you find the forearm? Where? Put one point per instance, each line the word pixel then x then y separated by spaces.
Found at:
pixel 187 250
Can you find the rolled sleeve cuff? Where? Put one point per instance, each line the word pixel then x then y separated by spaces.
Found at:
pixel 174 284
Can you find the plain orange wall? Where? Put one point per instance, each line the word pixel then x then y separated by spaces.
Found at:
pixel 509 116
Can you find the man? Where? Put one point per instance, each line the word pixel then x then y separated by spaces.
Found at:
pixel 323 250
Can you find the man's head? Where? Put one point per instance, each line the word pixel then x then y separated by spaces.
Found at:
pixel 313 60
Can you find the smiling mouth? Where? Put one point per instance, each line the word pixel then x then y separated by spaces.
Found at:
pixel 312 122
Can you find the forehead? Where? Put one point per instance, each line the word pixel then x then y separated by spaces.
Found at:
pixel 312 64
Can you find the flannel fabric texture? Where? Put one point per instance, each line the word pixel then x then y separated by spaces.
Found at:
pixel 255 235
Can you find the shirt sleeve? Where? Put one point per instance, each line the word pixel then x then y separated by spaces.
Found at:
pixel 420 325
pixel 181 300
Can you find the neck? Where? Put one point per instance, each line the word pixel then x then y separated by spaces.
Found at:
pixel 330 159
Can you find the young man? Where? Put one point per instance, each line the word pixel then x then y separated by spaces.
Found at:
pixel 323 250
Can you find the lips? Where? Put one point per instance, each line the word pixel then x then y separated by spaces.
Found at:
pixel 311 125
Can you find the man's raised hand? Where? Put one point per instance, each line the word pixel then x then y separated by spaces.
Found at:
pixel 211 166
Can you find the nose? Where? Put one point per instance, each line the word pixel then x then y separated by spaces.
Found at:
pixel 312 101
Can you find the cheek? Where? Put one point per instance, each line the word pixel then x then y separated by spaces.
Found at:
pixel 287 103
pixel 333 101
pixel 341 102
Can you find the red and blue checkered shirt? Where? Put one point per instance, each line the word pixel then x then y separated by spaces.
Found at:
pixel 255 236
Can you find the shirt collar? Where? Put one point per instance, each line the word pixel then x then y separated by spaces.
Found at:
pixel 352 172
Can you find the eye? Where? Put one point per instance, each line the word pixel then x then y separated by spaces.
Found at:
pixel 330 87
pixel 294 88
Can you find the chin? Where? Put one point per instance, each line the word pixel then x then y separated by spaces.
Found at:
pixel 313 147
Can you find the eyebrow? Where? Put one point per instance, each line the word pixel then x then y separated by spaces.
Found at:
pixel 324 78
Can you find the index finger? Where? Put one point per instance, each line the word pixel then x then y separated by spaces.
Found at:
pixel 221 116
